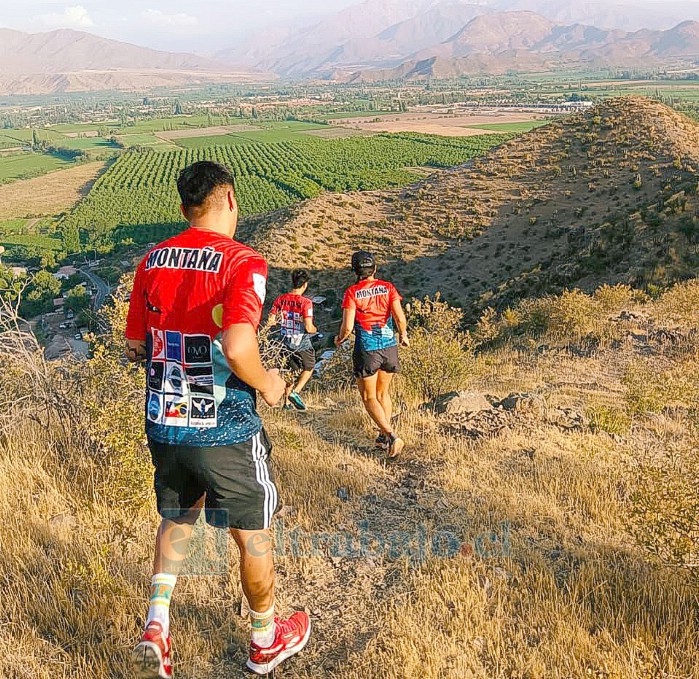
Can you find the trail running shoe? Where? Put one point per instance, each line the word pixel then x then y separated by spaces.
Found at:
pixel 290 637
pixel 297 401
pixel 151 658
pixel 395 446
pixel 382 442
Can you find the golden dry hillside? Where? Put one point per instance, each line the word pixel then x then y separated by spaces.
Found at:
pixel 605 196
pixel 534 533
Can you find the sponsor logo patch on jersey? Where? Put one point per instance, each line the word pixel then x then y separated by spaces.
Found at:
pixel 203 413
pixel 197 349
pixel 158 344
pixel 201 379
pixel 176 411
pixel 174 346
pixel 155 408
pixel 156 375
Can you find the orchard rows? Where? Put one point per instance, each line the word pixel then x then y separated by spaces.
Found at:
pixel 137 197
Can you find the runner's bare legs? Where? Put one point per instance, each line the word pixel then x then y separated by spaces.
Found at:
pixel 383 393
pixel 368 390
pixel 303 380
pixel 256 567
pixel 172 540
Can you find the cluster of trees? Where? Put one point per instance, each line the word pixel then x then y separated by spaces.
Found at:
pixel 139 190
pixel 37 292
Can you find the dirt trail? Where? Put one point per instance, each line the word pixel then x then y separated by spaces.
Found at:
pixel 336 585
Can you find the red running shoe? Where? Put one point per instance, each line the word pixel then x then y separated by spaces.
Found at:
pixel 151 658
pixel 290 637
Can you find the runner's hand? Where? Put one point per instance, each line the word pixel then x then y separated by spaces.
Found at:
pixel 275 391
pixel 339 343
pixel 404 341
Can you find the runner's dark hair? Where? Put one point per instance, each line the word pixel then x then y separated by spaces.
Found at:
pixel 198 181
pixel 299 277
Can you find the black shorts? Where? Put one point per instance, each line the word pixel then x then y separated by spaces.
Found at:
pixel 237 479
pixel 300 359
pixel 368 363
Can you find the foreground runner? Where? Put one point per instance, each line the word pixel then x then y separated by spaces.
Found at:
pixel 370 308
pixel 195 308
pixel 294 313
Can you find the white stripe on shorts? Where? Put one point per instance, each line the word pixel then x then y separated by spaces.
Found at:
pixel 262 474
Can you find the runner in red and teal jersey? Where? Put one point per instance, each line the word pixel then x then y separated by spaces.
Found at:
pixel 294 314
pixel 193 318
pixel 372 309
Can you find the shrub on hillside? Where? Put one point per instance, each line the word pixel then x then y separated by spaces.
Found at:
pixel 665 507
pixel 89 411
pixel 440 357
pixel 680 305
pixel 570 318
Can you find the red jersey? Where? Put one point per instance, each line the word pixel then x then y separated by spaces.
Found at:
pixel 187 291
pixel 372 301
pixel 292 311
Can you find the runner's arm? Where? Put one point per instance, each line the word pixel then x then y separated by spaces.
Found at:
pixel 310 326
pixel 136 328
pixel 242 351
pixel 401 321
pixel 348 316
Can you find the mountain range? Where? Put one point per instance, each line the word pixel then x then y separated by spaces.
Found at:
pixel 373 40
pixel 388 33
pixel 73 61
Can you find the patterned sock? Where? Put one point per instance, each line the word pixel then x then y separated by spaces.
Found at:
pixel 161 593
pixel 263 627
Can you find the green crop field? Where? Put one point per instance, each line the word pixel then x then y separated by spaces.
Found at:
pixel 268 133
pixel 27 165
pixel 137 197
pixel 40 241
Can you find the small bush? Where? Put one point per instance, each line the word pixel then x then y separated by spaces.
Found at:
pixel 610 420
pixel 613 299
pixel 439 359
pixel 665 510
pixel 680 304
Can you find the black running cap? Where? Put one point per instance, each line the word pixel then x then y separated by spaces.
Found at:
pixel 362 262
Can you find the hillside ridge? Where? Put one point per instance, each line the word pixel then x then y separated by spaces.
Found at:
pixel 605 196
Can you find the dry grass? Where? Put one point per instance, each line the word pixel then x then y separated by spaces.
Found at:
pixel 548 584
pixel 50 194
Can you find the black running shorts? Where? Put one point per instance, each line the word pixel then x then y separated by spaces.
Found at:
pixel 237 479
pixel 304 359
pixel 368 363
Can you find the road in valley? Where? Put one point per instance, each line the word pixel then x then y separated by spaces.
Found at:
pixel 101 287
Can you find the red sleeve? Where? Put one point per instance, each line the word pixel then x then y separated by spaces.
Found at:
pixel 246 292
pixel 308 308
pixel 394 295
pixel 136 328
pixel 275 306
pixel 349 302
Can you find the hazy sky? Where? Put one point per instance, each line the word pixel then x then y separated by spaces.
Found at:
pixel 201 25
pixel 165 24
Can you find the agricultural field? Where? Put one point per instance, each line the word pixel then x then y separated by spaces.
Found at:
pixel 511 127
pixel 37 233
pixel 26 164
pixel 50 194
pixel 445 122
pixel 136 199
